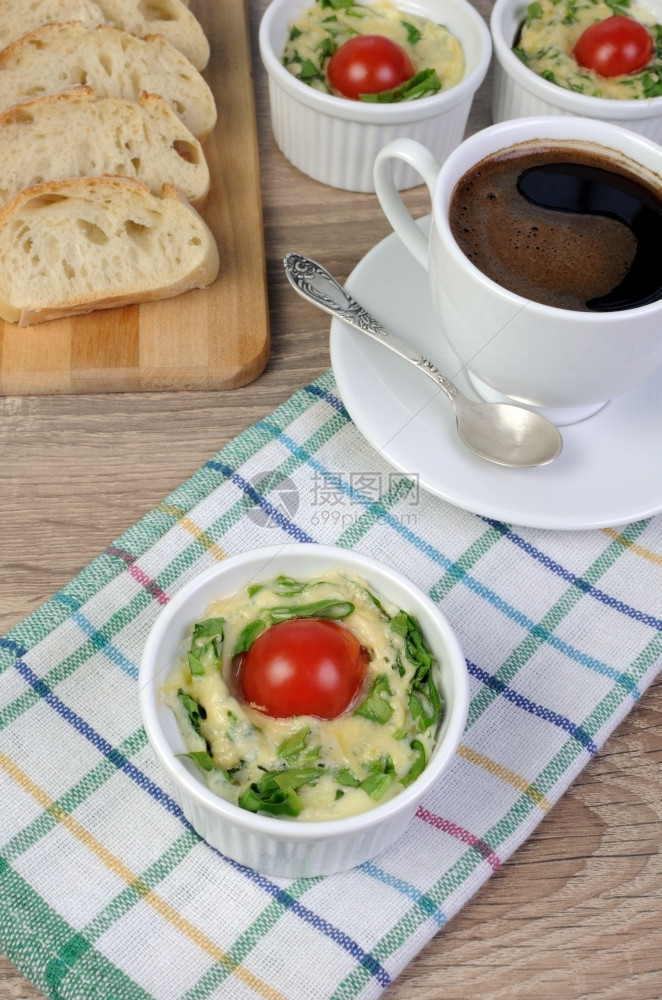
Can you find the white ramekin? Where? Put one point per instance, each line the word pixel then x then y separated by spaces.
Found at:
pixel 284 847
pixel 518 92
pixel 335 140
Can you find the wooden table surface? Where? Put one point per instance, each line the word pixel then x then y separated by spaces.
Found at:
pixel 577 911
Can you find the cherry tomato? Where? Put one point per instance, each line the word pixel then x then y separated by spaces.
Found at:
pixel 368 64
pixel 614 46
pixel 303 666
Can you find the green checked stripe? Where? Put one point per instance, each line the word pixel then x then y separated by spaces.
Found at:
pixel 359 528
pixel 139 538
pixel 66 962
pixel 67 955
pixel 79 945
pixel 73 946
pixel 88 785
pixel 506 828
pixel 48 953
pixel 549 623
pixel 33 629
pixel 247 942
pixel 466 562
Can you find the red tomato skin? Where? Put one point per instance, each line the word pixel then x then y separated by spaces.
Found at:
pixel 368 64
pixel 304 666
pixel 614 47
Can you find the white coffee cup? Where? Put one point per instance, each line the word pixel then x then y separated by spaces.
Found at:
pixel 566 363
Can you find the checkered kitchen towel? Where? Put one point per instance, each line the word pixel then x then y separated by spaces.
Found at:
pixel 107 894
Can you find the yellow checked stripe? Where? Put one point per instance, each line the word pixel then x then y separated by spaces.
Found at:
pixel 118 867
pixel 505 774
pixel 655 557
pixel 196 531
pixel 168 508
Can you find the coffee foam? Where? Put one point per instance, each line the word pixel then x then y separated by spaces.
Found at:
pixel 558 258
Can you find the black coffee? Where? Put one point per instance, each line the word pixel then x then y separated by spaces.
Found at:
pixel 567 228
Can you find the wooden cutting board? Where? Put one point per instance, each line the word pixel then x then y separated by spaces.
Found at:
pixel 216 338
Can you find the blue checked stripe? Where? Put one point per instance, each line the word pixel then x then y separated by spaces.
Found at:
pixel 328 397
pixel 587 588
pixel 539 711
pixel 481 590
pixel 429 899
pixel 105 646
pixel 123 764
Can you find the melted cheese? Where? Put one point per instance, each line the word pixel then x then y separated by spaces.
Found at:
pixel 317 28
pixel 245 742
pixel 549 36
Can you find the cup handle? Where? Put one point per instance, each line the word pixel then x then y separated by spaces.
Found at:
pixel 421 159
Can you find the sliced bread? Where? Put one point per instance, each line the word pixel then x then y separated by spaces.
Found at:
pixel 18 17
pixel 114 63
pixel 170 18
pixel 77 134
pixel 69 247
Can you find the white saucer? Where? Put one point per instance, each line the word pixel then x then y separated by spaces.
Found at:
pixel 609 472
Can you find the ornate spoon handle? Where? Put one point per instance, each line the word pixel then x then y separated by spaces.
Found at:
pixel 314 283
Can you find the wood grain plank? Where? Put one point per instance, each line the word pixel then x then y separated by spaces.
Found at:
pixel 576 912
pixel 216 338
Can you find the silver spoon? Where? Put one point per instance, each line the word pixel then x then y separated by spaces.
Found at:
pixel 499 432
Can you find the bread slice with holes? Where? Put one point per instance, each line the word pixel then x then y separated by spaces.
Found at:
pixel 170 18
pixel 77 134
pixel 69 247
pixel 114 63
pixel 18 17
